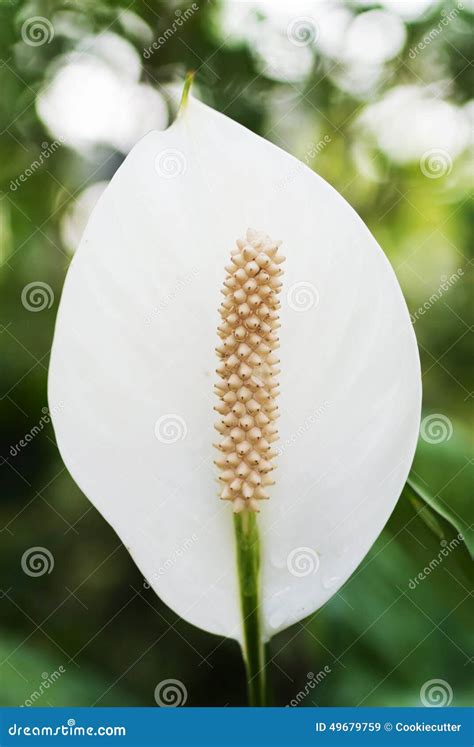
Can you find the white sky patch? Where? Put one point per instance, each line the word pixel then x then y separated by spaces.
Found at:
pixel 410 10
pixel 358 79
pixel 362 45
pixel 94 97
pixel 271 29
pixel 280 59
pixel 333 26
pixel 430 122
pixel 374 38
pixel 116 52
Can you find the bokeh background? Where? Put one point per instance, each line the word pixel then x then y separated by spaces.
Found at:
pixel 377 98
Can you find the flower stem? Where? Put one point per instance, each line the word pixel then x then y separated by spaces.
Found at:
pixel 248 567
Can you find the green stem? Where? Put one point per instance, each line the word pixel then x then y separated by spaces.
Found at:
pixel 248 567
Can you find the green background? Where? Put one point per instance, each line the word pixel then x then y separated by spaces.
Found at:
pixel 381 638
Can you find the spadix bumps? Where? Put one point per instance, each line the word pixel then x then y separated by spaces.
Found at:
pixel 248 387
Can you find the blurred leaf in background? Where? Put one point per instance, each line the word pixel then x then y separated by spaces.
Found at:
pixel 377 98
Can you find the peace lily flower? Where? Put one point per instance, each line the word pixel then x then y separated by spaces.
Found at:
pixel 265 536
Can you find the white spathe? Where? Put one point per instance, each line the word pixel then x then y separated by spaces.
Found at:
pixel 133 368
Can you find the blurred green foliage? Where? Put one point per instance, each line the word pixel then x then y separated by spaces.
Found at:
pixel 381 638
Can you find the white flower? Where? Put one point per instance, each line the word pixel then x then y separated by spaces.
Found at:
pixel 135 339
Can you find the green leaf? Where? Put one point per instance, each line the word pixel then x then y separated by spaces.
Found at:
pixel 399 621
pixel 424 512
pixel 442 478
pixel 45 678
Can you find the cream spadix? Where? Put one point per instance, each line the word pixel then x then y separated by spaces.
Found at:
pixel 248 387
pixel 133 368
